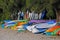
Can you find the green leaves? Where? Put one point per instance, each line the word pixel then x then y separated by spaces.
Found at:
pixel 11 6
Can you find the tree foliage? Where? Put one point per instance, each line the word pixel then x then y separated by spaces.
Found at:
pixel 12 6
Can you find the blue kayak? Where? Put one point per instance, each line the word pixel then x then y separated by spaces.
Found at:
pixel 40 30
pixel 26 25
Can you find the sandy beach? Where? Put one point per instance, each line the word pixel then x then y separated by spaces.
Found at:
pixel 7 34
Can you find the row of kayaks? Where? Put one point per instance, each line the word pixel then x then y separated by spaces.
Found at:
pixel 47 27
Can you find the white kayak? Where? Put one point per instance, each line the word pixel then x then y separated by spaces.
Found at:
pixel 34 30
pixel 30 28
pixel 41 25
pixel 45 25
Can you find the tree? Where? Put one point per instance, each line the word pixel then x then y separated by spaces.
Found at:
pixel 12 6
pixel 9 7
pixel 56 6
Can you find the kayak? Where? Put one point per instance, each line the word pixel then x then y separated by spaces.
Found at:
pixel 43 21
pixel 58 33
pixel 45 25
pixel 20 20
pixel 26 25
pixel 52 28
pixel 55 31
pixel 21 23
pixel 38 21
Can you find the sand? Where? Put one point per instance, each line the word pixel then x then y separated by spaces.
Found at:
pixel 7 34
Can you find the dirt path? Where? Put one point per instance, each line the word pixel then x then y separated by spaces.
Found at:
pixel 7 34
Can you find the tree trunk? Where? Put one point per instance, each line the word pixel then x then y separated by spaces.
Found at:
pixel 58 16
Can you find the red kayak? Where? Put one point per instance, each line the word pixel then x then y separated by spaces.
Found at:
pixel 58 33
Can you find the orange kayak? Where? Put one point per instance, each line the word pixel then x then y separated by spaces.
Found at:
pixel 53 28
pixel 21 23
